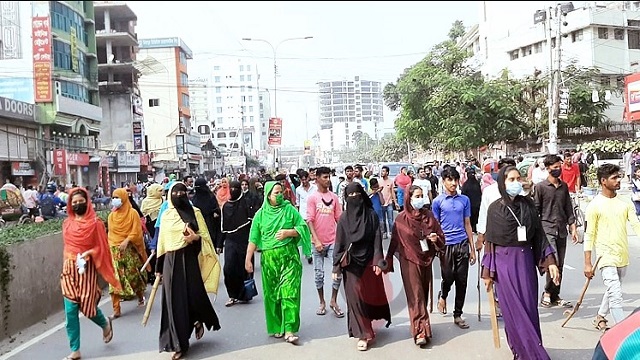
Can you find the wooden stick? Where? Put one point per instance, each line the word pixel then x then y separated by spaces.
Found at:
pixel 147 262
pixel 152 297
pixel 478 286
pixel 494 318
pixel 431 291
pixel 570 313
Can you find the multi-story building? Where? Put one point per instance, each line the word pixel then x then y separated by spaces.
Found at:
pixel 50 58
pixel 200 106
pixel 235 107
pixel 264 99
pixel 172 141
pixel 604 35
pixel 348 106
pixel 122 132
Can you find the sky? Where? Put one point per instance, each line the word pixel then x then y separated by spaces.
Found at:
pixel 373 40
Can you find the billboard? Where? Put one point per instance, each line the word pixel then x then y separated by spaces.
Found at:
pixel 275 131
pixel 16 72
pixel 11 48
pixel 632 97
pixel 42 53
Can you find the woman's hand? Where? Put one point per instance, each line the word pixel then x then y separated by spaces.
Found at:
pixel 87 254
pixel 191 235
pixel 282 234
pixel 554 273
pixel 248 266
pixel 377 270
pixel 433 237
pixel 488 283
pixel 335 276
pixel 123 245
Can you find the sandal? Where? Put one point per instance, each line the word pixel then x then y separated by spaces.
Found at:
pixel 545 302
pixel 176 356
pixel 363 345
pixel 142 302
pixel 421 340
pixel 600 323
pixel 69 357
pixel 292 339
pixel 199 330
pixel 442 304
pixel 336 311
pixel 321 310
pixel 107 339
pixel 278 335
pixel 231 302
pixel 564 303
pixel 460 323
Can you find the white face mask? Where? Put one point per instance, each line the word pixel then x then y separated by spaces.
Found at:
pixel 116 203
pixel 417 203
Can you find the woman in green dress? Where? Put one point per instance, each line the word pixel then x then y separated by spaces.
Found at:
pixel 277 230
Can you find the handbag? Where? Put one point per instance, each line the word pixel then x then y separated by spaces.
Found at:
pixel 250 289
pixel 345 260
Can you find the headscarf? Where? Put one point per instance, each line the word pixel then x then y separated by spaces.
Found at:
pixel 410 227
pixel 203 198
pixel 236 213
pixel 124 223
pixel 272 218
pixel 86 234
pixel 222 194
pixel 151 204
pixel 360 223
pixel 171 237
pixel 472 189
pixel 502 226
pixel 487 180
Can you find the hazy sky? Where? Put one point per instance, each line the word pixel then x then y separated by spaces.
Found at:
pixel 375 40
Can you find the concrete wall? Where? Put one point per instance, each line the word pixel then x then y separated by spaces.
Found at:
pixel 117 122
pixel 35 290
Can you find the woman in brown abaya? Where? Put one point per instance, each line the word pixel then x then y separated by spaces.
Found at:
pixel 417 237
pixel 358 257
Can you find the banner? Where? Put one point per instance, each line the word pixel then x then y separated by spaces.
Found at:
pixel 275 131
pixel 42 59
pixel 74 51
pixel 59 162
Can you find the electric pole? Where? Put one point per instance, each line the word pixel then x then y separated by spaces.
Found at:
pixel 552 146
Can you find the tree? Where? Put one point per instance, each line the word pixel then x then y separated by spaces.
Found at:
pixel 390 148
pixel 253 162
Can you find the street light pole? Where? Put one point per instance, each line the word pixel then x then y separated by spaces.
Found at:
pixel 274 50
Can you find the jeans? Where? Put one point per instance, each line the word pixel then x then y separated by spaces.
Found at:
pixel 318 266
pixel 387 212
pixel 454 265
pixel 612 299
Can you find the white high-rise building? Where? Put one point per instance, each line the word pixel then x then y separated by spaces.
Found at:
pixel 235 106
pixel 264 99
pixel 200 104
pixel 348 106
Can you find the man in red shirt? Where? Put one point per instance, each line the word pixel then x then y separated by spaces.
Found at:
pixel 570 174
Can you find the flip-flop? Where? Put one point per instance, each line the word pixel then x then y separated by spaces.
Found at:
pixel 322 310
pixel 72 358
pixel 564 303
pixel 545 302
pixel 199 330
pixel 292 339
pixel 336 311
pixel 231 302
pixel 461 323
pixel 107 339
pixel 442 305
pixel 278 335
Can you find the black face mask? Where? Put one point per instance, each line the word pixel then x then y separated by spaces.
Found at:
pixel 79 208
pixel 180 202
pixel 556 173
pixel 235 193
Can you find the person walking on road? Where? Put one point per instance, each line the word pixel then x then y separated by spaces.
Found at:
pixel 453 211
pixel 517 247
pixel 417 237
pixel 190 269
pixel 323 213
pixel 277 230
pixel 85 241
pixel 358 258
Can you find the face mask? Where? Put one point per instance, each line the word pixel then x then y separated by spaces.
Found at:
pixel 79 209
pixel 180 201
pixel 279 199
pixel 417 203
pixel 514 188
pixel 556 173
pixel 116 203
pixel 235 193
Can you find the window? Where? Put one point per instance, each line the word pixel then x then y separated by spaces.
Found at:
pixel 633 38
pixel 154 102
pixel 251 118
pixel 216 67
pixel 218 89
pixel 514 54
pixel 250 98
pixel 216 79
pixel 64 18
pixel 219 99
pixel 248 67
pixel 576 35
pixel 61 55
pixel 248 77
pixel 241 77
pixel 185 100
pixel 74 91
pixel 184 79
pixel 603 33
pixel 241 67
pixel 219 109
pixel 618 34
pixel 183 57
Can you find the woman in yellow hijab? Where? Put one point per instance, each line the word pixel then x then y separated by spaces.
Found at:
pixel 127 251
pixel 185 254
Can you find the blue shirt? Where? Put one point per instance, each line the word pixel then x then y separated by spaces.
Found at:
pixel 377 205
pixel 451 211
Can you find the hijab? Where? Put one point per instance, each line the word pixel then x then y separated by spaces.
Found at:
pixel 124 222
pixel 236 213
pixel 487 180
pixel 80 235
pixel 223 192
pixel 472 189
pixel 410 227
pixel 203 198
pixel 151 204
pixel 358 214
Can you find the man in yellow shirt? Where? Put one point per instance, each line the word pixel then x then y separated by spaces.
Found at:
pixel 606 231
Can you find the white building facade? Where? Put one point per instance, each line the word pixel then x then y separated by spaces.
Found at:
pixel 264 99
pixel 348 106
pixel 200 105
pixel 605 35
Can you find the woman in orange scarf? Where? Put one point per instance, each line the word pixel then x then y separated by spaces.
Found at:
pixel 127 251
pixel 85 241
pixel 223 194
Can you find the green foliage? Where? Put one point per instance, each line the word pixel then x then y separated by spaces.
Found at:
pixel 253 162
pixel 445 104
pixel 608 146
pixel 389 149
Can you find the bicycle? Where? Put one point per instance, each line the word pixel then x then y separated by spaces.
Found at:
pixel 577 211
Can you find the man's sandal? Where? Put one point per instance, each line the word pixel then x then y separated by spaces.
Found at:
pixel 600 323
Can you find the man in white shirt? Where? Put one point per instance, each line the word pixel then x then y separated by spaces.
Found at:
pixel 31 200
pixel 539 172
pixel 424 184
pixel 302 195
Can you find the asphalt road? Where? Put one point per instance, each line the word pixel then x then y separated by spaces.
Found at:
pixel 243 333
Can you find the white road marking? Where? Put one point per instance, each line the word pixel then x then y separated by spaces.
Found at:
pixel 565 266
pixel 42 336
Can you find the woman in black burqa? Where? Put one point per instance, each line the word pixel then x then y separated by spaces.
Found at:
pixel 237 214
pixel 204 200
pixel 359 259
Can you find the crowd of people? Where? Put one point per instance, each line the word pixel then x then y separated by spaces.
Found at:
pixel 182 227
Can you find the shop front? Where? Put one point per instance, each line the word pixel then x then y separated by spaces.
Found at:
pixel 18 143
pixel 70 168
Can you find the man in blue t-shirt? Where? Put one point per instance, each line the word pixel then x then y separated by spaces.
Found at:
pixel 453 211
